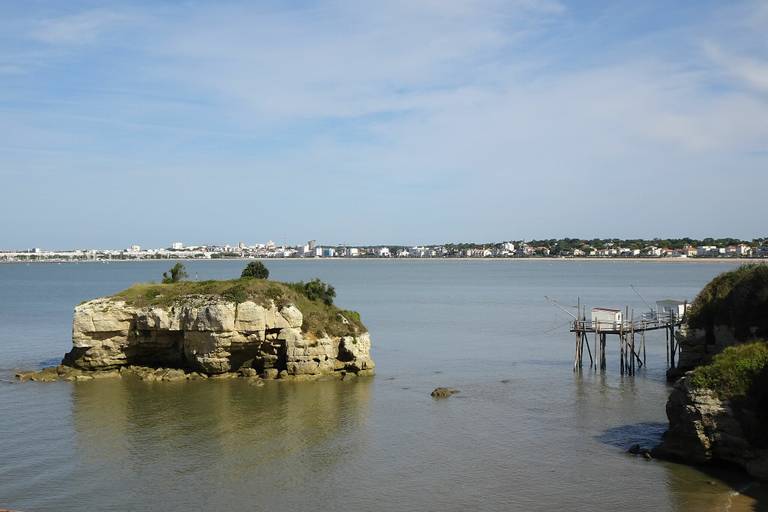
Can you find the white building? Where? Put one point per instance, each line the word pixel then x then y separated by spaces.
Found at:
pixel 177 246
pixel 670 309
pixel 606 318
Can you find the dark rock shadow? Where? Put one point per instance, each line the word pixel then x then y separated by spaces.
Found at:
pixel 647 435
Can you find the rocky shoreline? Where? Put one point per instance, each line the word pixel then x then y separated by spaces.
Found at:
pixel 717 407
pixel 151 374
pixel 704 429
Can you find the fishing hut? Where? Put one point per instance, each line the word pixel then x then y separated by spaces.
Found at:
pixel 630 331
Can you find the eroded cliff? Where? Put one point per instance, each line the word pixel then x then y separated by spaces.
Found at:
pixel 253 328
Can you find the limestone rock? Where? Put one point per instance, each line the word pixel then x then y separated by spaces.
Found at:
pixel 703 428
pixel 251 317
pixel 208 335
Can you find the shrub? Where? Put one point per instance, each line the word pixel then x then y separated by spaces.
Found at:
pixel 175 274
pixel 255 270
pixel 315 290
pixel 236 293
pixel 738 299
pixel 734 372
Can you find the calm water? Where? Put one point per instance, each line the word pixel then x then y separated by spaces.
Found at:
pixel 545 439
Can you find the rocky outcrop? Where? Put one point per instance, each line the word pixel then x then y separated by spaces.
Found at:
pixel 703 429
pixel 210 335
pixel 699 346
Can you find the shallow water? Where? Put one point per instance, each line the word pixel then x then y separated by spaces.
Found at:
pixel 543 439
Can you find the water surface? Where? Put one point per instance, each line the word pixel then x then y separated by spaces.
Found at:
pixel 525 433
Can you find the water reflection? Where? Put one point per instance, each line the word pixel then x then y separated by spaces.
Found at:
pixel 253 441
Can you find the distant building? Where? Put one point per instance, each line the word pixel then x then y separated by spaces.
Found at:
pixel 134 248
pixel 177 246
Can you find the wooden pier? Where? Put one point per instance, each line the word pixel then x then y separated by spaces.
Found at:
pixel 631 335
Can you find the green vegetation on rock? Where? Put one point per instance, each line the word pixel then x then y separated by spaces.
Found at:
pixel 319 315
pixel 738 372
pixel 737 299
pixel 316 290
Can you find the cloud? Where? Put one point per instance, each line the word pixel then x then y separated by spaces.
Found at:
pixel 752 72
pixel 81 28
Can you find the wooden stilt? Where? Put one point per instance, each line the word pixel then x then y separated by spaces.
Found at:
pixel 602 352
pixel 597 352
pixel 585 341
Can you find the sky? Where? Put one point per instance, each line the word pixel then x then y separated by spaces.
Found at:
pixel 405 121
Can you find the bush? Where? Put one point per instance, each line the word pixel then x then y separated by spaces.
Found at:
pixel 236 293
pixel 734 372
pixel 738 299
pixel 255 270
pixel 176 274
pixel 315 290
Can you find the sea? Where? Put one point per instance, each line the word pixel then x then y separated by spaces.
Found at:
pixel 525 432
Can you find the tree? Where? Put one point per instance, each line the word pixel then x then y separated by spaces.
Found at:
pixel 176 274
pixel 255 270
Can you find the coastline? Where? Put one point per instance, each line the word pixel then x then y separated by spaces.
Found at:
pixel 334 258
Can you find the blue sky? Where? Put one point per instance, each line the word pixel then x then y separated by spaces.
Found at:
pixel 388 122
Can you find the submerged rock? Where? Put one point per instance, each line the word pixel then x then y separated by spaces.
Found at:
pixel 443 392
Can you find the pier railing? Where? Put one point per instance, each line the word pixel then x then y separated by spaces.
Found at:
pixel 648 322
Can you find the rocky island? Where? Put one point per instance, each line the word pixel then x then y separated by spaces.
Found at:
pixel 718 409
pixel 253 328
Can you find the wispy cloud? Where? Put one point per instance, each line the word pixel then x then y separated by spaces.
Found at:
pixel 80 28
pixel 753 72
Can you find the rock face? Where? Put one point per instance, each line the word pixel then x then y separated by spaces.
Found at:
pixel 698 346
pixel 209 335
pixel 703 429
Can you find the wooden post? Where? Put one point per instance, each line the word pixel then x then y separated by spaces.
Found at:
pixel 602 352
pixel 621 353
pixel 576 352
pixel 597 353
pixel 585 341
pixel 672 343
pixel 632 343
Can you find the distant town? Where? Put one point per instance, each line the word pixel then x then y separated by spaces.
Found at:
pixel 552 248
